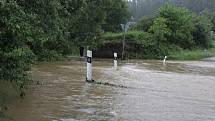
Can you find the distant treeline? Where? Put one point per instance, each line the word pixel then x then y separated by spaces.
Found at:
pixel 141 8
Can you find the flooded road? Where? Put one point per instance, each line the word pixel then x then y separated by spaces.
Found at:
pixel 177 91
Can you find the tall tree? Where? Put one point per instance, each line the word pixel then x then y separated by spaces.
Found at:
pixel 116 12
pixel 15 31
pixel 179 20
pixel 85 21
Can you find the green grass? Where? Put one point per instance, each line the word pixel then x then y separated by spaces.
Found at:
pixel 116 37
pixel 192 54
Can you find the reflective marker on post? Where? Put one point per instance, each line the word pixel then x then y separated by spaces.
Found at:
pixel 115 60
pixel 89 66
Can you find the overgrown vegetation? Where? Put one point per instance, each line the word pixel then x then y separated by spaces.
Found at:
pixel 172 30
pixel 16 56
pixel 47 30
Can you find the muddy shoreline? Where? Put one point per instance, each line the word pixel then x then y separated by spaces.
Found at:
pixel 4 118
pixel 8 92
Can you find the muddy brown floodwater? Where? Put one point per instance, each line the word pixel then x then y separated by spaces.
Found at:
pixel 177 91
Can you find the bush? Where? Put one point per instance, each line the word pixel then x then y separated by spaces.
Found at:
pixel 15 65
pixel 49 55
pixel 139 44
pixel 177 26
pixel 144 23
pixel 202 32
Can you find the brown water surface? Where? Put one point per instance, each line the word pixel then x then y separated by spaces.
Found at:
pixel 176 91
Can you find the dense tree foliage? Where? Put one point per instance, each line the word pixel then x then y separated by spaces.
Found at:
pixel 160 32
pixel 179 21
pixel 117 13
pixel 144 23
pixel 49 29
pixel 211 17
pixel 202 31
pixel 15 34
pixel 186 28
pixel 172 29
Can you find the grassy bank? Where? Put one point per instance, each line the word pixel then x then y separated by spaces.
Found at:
pixel 192 54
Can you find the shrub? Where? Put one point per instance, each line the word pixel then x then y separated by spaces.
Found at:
pixel 15 65
pixel 15 55
pixel 49 55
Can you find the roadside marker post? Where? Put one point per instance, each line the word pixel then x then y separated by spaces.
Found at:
pixel 89 66
pixel 115 60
